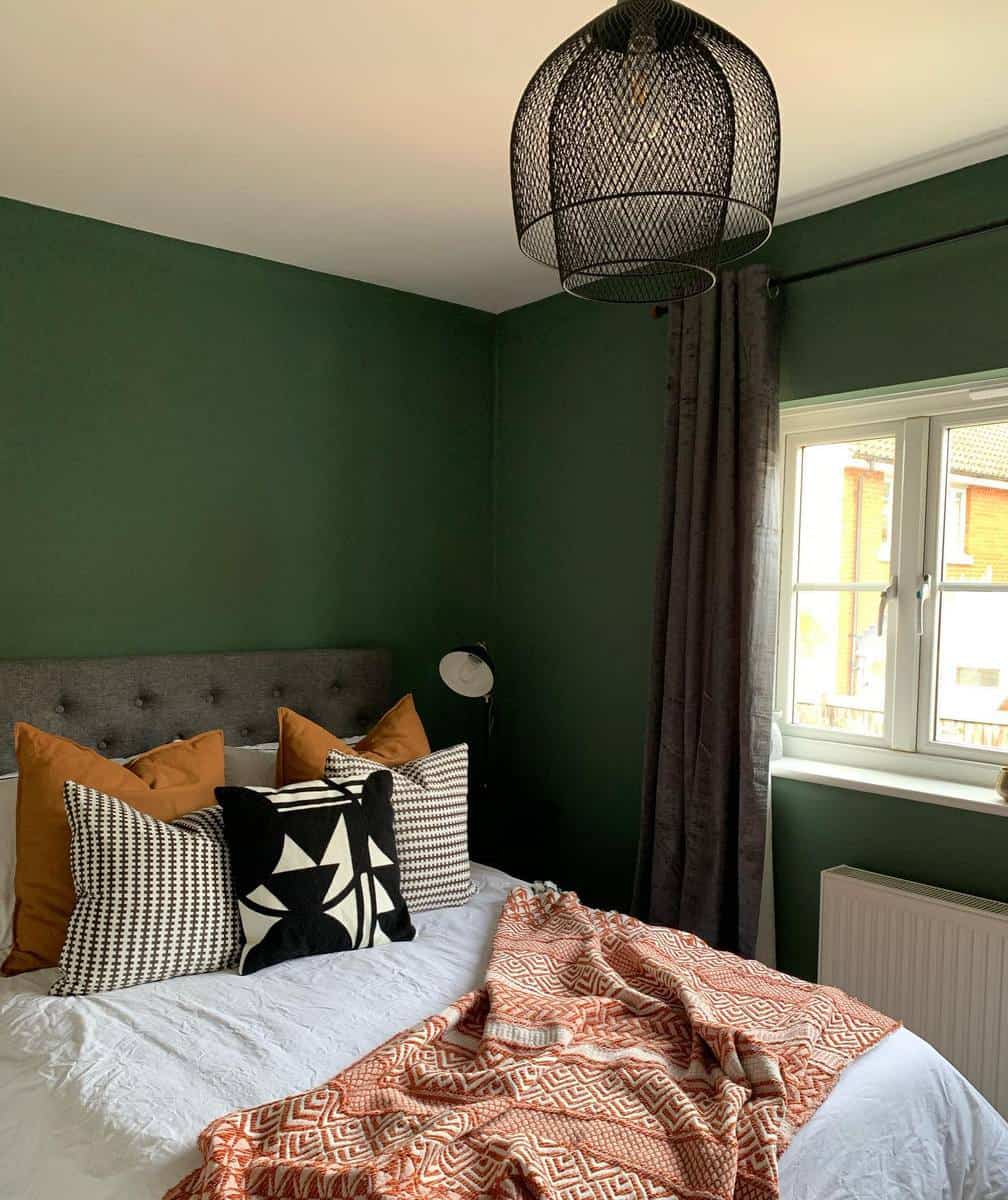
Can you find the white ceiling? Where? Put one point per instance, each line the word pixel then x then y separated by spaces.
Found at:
pixel 370 139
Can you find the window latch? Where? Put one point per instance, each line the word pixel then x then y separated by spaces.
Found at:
pixel 885 596
pixel 923 593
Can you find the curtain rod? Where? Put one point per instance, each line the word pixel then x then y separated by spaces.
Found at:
pixel 775 284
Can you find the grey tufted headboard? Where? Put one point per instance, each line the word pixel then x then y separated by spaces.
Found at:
pixel 122 706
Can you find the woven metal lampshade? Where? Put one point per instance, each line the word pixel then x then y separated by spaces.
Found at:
pixel 645 153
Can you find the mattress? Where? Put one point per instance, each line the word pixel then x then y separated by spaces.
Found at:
pixel 103 1097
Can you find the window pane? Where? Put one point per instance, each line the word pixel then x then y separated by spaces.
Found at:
pixel 846 512
pixel 973 670
pixel 839 663
pixel 975 541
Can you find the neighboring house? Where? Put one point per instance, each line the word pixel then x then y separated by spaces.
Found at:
pixel 856 479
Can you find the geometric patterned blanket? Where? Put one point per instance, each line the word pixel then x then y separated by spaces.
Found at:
pixel 603 1059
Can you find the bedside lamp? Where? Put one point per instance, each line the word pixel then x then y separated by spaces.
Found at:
pixel 469 671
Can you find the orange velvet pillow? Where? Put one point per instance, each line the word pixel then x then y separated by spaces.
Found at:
pixel 165 783
pixel 398 738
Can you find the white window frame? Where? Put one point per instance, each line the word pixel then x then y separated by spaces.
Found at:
pixel 919 420
pixel 791 588
pixel 935 533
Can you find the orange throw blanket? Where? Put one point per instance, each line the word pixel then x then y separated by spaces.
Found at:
pixel 603 1059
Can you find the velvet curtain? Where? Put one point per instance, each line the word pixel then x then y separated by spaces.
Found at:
pixel 704 811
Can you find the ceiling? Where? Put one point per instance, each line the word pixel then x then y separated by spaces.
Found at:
pixel 370 139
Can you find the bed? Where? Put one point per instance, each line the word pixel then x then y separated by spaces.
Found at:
pixel 103 1097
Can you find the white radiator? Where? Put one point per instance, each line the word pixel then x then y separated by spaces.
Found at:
pixel 936 960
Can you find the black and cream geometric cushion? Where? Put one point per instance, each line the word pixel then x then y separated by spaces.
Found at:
pixel 315 868
pixel 430 803
pixel 154 900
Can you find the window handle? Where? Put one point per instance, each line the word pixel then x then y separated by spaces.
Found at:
pixel 923 594
pixel 885 596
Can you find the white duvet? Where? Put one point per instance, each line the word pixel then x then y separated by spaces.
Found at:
pixel 102 1098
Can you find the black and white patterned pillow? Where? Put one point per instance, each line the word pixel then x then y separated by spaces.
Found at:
pixel 431 808
pixel 315 868
pixel 154 900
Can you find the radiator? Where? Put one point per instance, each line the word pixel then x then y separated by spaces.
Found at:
pixel 936 960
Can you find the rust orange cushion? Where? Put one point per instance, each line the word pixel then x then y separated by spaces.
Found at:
pixel 165 783
pixel 399 737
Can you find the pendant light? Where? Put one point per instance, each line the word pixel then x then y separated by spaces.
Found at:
pixel 645 153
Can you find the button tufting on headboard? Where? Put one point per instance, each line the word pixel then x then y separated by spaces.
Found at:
pixel 151 700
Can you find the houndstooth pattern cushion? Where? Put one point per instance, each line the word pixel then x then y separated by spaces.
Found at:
pixel 154 900
pixel 430 811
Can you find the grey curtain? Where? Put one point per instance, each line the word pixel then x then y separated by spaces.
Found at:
pixel 704 811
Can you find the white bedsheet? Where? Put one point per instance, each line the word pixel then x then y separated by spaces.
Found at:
pixel 102 1098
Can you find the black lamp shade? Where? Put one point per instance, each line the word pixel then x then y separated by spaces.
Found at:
pixel 468 670
pixel 645 153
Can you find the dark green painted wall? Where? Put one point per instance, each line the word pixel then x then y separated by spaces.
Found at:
pixel 941 312
pixel 577 481
pixel 578 444
pixel 205 451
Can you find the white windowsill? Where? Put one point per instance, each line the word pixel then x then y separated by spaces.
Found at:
pixel 889 783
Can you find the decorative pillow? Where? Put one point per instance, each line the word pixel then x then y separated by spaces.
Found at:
pixel 250 766
pixel 397 738
pixel 315 868
pixel 154 900
pixel 430 805
pixel 165 782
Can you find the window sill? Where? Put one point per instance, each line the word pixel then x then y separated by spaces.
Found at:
pixel 890 783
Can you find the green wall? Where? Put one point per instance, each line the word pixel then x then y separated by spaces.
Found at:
pixel 205 451
pixel 579 400
pixel 579 417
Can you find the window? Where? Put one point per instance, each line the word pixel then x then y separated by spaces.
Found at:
pixel 894 578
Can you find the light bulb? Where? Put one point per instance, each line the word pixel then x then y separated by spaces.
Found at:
pixel 637 122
